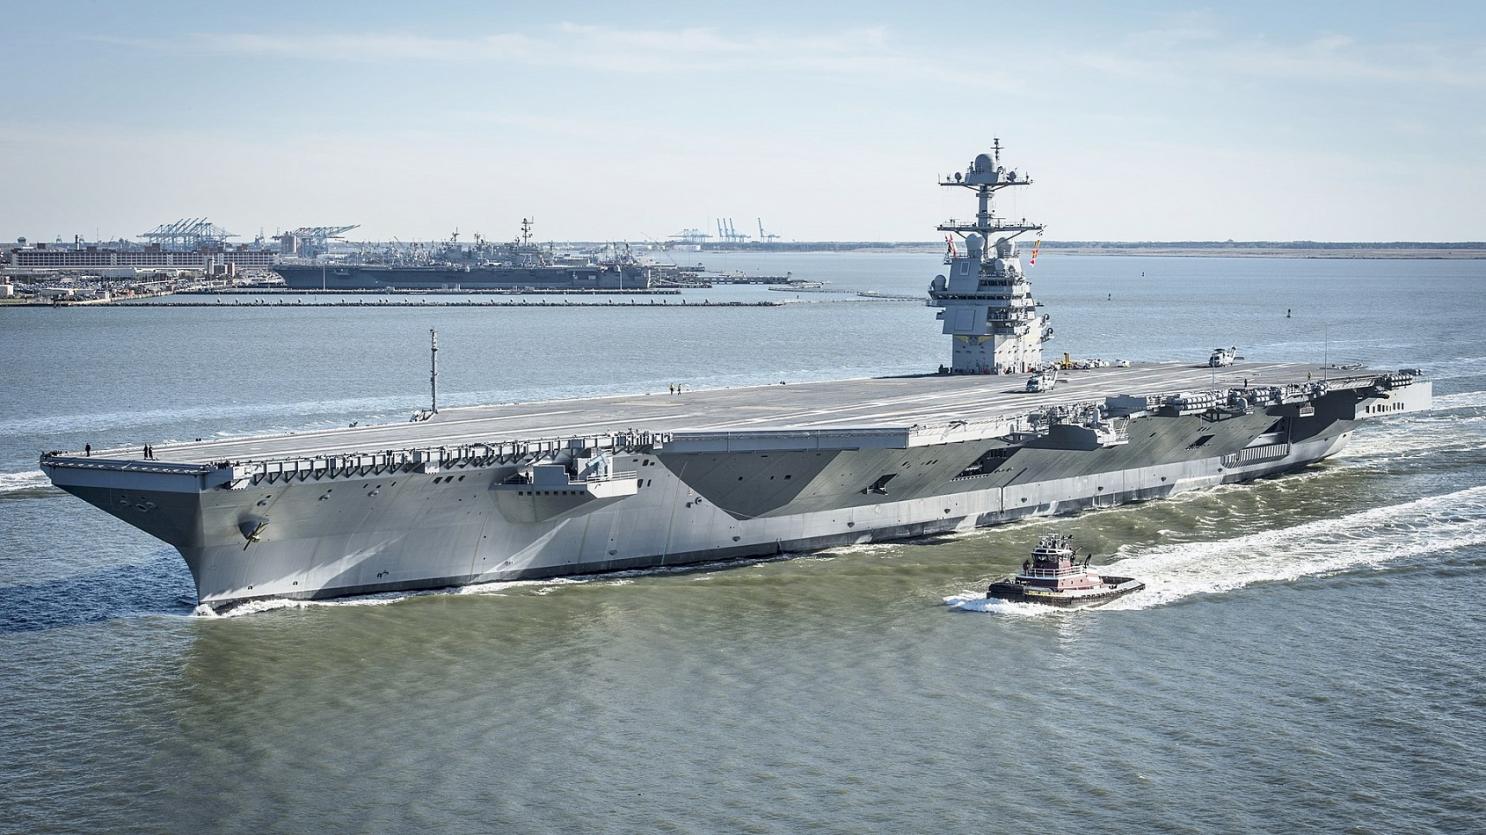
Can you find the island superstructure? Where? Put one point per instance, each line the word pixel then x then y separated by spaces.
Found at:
pixel 987 301
pixel 531 490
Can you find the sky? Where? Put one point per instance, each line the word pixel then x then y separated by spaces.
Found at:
pixel 1341 121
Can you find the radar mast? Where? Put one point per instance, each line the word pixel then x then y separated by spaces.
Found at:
pixel 986 301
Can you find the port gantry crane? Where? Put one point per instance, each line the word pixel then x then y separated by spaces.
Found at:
pixel 188 234
pixel 728 233
pixel 689 235
pixel 310 241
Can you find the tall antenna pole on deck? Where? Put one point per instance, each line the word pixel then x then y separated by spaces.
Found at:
pixel 433 373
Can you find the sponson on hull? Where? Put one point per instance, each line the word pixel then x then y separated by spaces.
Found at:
pixel 549 489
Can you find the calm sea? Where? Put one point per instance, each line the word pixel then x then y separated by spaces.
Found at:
pixel 1309 655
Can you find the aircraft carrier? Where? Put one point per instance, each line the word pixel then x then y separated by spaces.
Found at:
pixel 557 488
pixel 519 264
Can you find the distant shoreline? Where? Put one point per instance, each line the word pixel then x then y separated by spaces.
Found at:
pixel 1381 254
pixel 1381 250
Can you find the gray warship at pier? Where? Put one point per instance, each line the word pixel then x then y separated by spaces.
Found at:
pixel 518 264
pixel 560 488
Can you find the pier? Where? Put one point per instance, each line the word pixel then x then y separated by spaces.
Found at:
pixel 279 290
pixel 861 294
pixel 280 304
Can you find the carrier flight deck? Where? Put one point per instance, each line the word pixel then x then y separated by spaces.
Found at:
pixel 891 402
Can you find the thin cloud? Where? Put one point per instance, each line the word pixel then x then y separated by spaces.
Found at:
pixel 1193 52
pixel 854 51
pixel 372 47
pixel 1342 58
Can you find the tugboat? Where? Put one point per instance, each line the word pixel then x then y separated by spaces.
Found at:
pixel 1053 576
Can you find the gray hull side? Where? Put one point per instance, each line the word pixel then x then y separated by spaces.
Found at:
pixel 406 531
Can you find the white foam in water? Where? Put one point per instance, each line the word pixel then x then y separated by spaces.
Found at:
pixel 498 586
pixel 968 601
pixel 24 480
pixel 1459 400
pixel 1439 428
pixel 1369 538
pixel 254 607
pixel 494 588
pixel 862 548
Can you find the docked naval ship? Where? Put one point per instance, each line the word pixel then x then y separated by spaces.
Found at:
pixel 533 490
pixel 519 264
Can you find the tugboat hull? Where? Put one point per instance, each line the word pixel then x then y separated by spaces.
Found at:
pixel 1114 587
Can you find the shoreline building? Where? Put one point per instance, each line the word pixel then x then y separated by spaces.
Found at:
pixel 187 244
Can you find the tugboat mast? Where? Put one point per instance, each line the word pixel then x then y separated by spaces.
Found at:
pixel 986 301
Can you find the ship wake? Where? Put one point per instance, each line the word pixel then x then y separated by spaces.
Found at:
pixel 27 482
pixel 1453 423
pixel 494 588
pixel 1371 539
pixel 973 602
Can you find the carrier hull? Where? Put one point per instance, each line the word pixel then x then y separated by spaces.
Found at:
pixel 354 523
